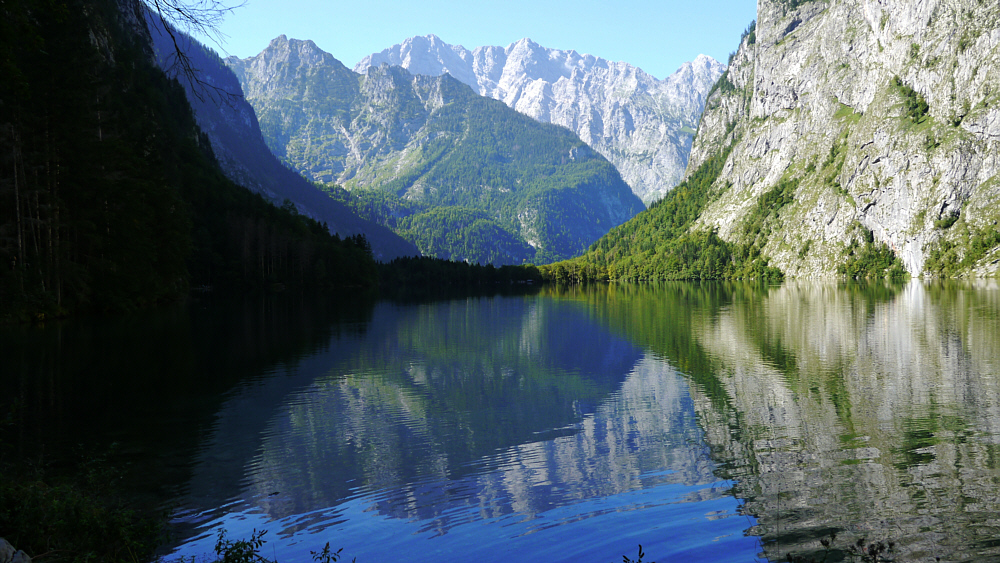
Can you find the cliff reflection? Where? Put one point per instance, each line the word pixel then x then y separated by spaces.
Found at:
pixel 871 411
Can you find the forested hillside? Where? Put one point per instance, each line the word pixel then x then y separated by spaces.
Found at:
pixel 660 243
pixel 234 133
pixel 848 139
pixel 642 125
pixel 462 176
pixel 110 197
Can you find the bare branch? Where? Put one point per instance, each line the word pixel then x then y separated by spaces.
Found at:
pixel 192 17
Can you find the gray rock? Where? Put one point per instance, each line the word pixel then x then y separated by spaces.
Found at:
pixel 641 124
pixel 8 554
pixel 819 79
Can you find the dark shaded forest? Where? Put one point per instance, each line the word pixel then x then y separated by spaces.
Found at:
pixel 110 197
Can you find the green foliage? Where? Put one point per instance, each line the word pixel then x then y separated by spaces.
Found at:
pixel 951 257
pixel 768 205
pixel 794 4
pixel 860 550
pixel 625 558
pixel 965 41
pixel 248 550
pixel 846 113
pixel 871 260
pixel 460 234
pixel 78 516
pixel 326 555
pixel 874 552
pixel 658 244
pixel 240 551
pixel 914 104
pixel 723 84
pixel 947 221
pixel 750 33
pixel 804 251
pixel 429 272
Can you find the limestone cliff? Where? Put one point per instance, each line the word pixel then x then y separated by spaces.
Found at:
pixel 885 112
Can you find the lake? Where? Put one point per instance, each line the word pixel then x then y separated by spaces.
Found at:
pixel 704 421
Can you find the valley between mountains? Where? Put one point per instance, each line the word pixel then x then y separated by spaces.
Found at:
pixel 849 139
pixel 835 142
pixel 463 177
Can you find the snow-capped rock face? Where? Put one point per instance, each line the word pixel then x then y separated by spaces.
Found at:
pixel 829 94
pixel 643 125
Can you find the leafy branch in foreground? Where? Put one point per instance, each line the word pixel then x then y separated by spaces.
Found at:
pixel 248 550
pixel 625 558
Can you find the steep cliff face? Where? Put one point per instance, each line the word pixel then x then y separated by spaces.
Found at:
pixel 641 124
pixel 885 114
pixel 466 177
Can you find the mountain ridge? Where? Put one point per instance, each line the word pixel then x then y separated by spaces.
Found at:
pixel 845 139
pixel 641 124
pixel 886 116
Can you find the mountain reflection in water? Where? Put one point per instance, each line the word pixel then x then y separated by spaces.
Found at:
pixel 475 422
pixel 708 422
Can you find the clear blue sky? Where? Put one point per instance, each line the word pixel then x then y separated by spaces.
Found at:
pixel 655 35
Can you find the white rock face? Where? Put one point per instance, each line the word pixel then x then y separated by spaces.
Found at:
pixel 643 125
pixel 818 82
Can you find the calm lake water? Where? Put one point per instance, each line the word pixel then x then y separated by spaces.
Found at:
pixel 707 422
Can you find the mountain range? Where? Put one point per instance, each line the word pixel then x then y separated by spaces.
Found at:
pixel 642 125
pixel 462 176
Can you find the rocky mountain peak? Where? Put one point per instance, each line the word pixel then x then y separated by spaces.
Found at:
pixel 641 124
pixel 296 51
pixel 283 62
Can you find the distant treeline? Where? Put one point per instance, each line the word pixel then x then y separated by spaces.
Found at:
pixel 431 272
pixel 109 196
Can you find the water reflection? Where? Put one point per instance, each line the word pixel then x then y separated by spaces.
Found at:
pixel 519 414
pixel 870 411
pixel 568 425
pixel 151 381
